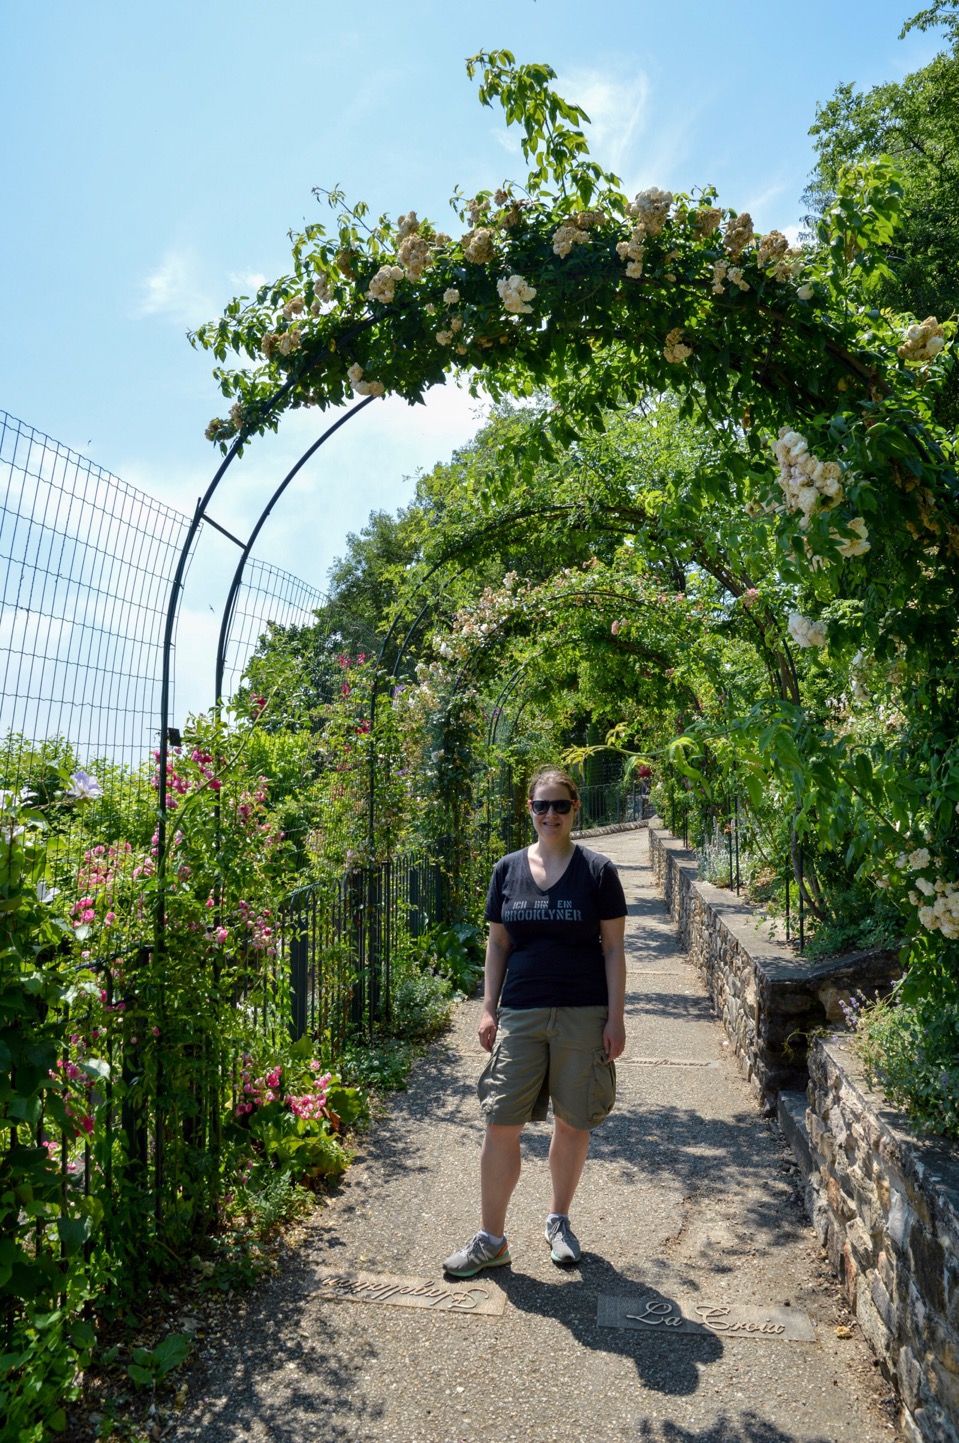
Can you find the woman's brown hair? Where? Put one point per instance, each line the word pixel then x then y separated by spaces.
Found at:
pixel 553 774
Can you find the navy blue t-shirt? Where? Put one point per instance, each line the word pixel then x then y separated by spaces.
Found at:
pixel 557 956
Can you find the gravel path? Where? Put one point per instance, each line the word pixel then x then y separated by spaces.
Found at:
pixel 688 1194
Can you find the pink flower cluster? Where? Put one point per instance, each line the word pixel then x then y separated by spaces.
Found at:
pixel 85 911
pixel 311 1105
pixel 260 1091
pixel 259 926
pixel 257 1091
pixel 205 766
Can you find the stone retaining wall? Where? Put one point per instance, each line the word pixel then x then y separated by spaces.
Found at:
pixel 885 1205
pixel 769 999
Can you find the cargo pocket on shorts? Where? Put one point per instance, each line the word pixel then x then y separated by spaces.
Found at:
pixel 602 1089
pixel 486 1086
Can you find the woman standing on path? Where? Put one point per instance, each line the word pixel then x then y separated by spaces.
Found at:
pixel 552 1015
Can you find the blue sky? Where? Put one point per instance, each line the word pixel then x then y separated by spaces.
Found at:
pixel 153 159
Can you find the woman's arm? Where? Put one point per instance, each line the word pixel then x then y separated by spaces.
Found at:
pixel 498 948
pixel 613 937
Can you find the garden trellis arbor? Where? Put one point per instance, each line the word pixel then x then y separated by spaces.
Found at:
pixel 565 285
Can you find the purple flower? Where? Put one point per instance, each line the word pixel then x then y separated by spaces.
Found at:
pixel 85 787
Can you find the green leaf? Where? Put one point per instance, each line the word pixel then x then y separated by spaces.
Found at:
pixel 171 1353
pixel 73 1233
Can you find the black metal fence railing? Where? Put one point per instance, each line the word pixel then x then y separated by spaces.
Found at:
pixel 719 831
pixel 609 803
pixel 339 942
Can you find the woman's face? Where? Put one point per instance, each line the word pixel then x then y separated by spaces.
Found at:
pixel 552 825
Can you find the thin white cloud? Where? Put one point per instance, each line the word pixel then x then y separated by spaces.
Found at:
pixel 508 139
pixel 246 282
pixel 175 290
pixel 618 109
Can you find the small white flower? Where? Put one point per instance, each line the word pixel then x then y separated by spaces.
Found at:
pixel 451 296
pixel 84 786
pixel 806 292
pixel 806 632
pixel 856 545
pixel 918 859
pixel 514 294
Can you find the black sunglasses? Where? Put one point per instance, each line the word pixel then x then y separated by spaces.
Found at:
pixel 541 806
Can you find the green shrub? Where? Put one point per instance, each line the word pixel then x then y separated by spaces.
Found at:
pixel 911 1052
pixel 379 1066
pixel 457 954
pixel 421 1006
pixel 861 917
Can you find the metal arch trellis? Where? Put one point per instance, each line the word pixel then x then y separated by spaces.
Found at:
pixel 168 735
pixel 230 603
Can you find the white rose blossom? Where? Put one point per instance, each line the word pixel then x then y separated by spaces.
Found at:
pixel 943 914
pixel 321 293
pixel 856 545
pixel 383 285
pixel 806 632
pixel 923 342
pixel 414 255
pixel 772 247
pixel 674 350
pixel 515 293
pixel 632 251
pixel 566 237
pixel 478 246
pixel 737 234
pixel 808 484
pixel 652 208
pixel 706 220
pixel 361 387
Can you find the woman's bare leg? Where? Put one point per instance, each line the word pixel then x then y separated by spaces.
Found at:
pixel 499 1174
pixel 567 1157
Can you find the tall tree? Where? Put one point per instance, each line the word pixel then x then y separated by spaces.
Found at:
pixel 916 122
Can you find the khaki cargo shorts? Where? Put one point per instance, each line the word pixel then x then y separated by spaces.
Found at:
pixel 544 1053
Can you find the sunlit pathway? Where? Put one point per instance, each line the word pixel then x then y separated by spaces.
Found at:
pixel 687 1197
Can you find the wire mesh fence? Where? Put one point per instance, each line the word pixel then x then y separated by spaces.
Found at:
pixel 87 562
pixel 268 598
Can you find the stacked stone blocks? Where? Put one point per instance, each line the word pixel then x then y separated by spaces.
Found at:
pixel 884 1202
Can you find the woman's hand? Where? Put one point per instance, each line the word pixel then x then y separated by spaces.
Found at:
pixel 498 948
pixel 487 1030
pixel 614 1039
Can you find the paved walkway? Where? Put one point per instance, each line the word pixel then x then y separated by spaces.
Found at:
pixel 689 1195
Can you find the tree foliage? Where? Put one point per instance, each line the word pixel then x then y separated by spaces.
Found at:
pixel 914 121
